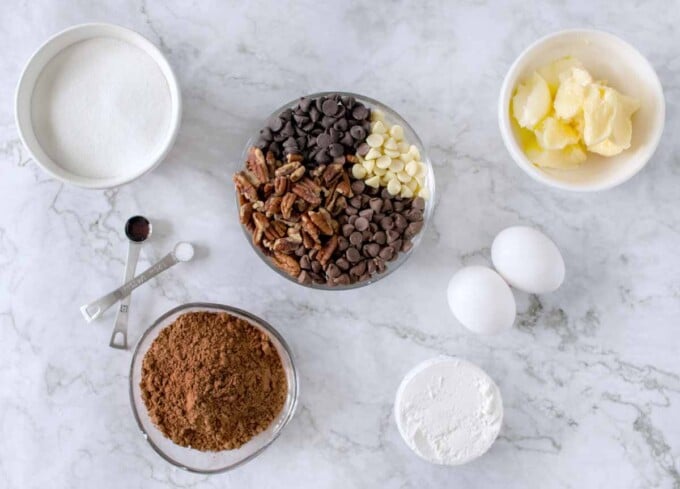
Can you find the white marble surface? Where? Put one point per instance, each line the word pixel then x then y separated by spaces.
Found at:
pixel 590 374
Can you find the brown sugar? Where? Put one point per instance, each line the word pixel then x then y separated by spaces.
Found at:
pixel 212 381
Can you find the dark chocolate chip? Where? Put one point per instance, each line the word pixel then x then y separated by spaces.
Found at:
pixel 336 150
pixel 352 255
pixel 372 249
pixel 359 112
pixel 347 229
pixel 361 224
pixel 275 124
pixel 386 223
pixel 386 253
pixel 356 238
pixel 358 132
pixel 342 264
pixel 380 237
pixel 418 204
pixel 323 140
pixel 330 107
pixel 363 149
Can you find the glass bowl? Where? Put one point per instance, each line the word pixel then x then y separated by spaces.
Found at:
pixel 410 135
pixel 191 459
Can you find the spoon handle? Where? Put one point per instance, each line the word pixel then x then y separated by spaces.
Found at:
pixel 120 324
pixel 95 309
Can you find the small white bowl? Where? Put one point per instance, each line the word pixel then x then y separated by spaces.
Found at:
pixel 606 57
pixel 35 66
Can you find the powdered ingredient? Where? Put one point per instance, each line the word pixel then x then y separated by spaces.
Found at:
pixel 212 381
pixel 101 107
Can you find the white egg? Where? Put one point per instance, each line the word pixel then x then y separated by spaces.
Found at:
pixel 528 260
pixel 481 300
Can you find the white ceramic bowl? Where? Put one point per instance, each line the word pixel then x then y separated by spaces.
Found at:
pixel 31 73
pixel 606 57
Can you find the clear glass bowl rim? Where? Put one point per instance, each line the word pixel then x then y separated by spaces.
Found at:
pixel 252 318
pixel 429 203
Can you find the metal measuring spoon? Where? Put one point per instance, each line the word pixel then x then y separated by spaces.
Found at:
pixel 137 229
pixel 183 252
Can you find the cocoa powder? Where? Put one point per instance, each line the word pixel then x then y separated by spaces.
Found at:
pixel 212 381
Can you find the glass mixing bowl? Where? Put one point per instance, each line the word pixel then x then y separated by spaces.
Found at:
pixel 189 458
pixel 410 135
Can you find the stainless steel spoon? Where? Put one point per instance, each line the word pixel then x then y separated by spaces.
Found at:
pixel 182 252
pixel 137 229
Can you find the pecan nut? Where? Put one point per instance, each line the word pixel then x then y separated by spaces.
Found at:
pixel 257 165
pixel 323 220
pixel 327 251
pixel 244 187
pixel 287 205
pixel 308 191
pixel 287 263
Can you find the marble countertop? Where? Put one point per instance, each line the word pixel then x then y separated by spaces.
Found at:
pixel 590 375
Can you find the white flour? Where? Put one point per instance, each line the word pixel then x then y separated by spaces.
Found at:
pixel 101 108
pixel 448 411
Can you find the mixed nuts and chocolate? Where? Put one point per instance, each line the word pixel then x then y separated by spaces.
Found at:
pixel 331 192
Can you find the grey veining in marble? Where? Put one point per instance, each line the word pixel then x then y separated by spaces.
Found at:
pixel 590 374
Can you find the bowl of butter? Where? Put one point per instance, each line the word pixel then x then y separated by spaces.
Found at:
pixel 581 110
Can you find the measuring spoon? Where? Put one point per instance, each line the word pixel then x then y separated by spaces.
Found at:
pixel 137 230
pixel 183 252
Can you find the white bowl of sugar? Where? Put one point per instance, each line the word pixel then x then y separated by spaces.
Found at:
pixel 98 106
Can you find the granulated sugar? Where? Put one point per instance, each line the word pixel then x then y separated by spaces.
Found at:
pixel 101 108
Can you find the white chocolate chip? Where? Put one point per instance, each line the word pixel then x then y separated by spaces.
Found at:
pixel 374 181
pixel 414 151
pixel 391 144
pixel 403 177
pixel 403 147
pixel 377 115
pixel 396 165
pixel 369 165
pixel 379 171
pixel 397 132
pixel 412 168
pixel 391 153
pixel 372 154
pixel 358 171
pixel 378 128
pixel 406 192
pixel 383 162
pixel 422 169
pixel 413 184
pixel 375 140
pixel 393 187
pixel 406 157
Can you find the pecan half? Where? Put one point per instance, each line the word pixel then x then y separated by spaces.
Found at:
pixel 261 221
pixel 273 205
pixel 287 169
pixel 288 244
pixel 287 263
pixel 323 220
pixel 293 157
pixel 308 191
pixel 245 212
pixel 344 187
pixel 332 172
pixel 310 228
pixel 280 185
pixel 287 205
pixel 244 187
pixel 257 165
pixel 327 251
pixel 297 174
pixel 270 158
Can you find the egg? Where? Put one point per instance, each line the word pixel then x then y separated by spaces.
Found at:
pixel 481 300
pixel 528 260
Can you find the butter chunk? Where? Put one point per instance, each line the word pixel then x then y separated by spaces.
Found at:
pixel 571 92
pixel 553 133
pixel 532 101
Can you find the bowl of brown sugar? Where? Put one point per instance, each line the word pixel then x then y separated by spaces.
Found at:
pixel 211 386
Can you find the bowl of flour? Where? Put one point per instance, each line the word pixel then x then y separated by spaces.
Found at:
pixel 98 106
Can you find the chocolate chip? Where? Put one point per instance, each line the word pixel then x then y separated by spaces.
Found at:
pixel 412 229
pixel 304 278
pixel 355 201
pixel 343 243
pixel 392 235
pixel 305 263
pixel 413 215
pixel 372 249
pixel 386 253
pixel 342 264
pixel 360 112
pixel 316 266
pixel 305 104
pixel 330 107
pixel 363 149
pixel 406 246
pixel 356 238
pixel 361 224
pixel 336 150
pixel 367 213
pixel 358 132
pixel 387 206
pixel 386 223
pixel 400 222
pixel 288 130
pixel 333 271
pixel 418 204
pixel 376 204
pixel 347 229
pixel 353 255
pixel 275 124
pixel 380 237
pixel 358 186
pixel 343 280
pixel 359 269
pixel 347 140
pixel 370 267
pixel 323 140
pixel 341 125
